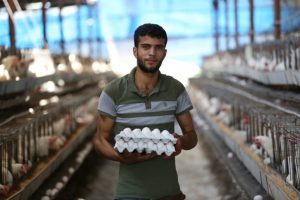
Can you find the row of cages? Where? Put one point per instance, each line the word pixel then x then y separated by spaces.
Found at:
pixel 30 84
pixel 272 134
pixel 31 138
pixel 271 62
pixel 29 68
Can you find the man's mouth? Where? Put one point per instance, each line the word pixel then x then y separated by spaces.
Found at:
pixel 151 62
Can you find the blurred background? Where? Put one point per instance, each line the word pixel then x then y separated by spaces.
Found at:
pixel 105 28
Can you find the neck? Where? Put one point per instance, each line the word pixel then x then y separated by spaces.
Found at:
pixel 145 82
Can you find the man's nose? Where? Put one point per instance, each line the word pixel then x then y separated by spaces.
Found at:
pixel 152 51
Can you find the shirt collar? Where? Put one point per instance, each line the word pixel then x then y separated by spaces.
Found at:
pixel 161 85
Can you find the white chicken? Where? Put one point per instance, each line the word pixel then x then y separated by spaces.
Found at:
pixel 56 142
pixel 289 178
pixel 215 105
pixel 225 114
pixel 266 143
pixel 4 74
pixel 58 126
pixel 4 189
pixel 7 177
pixel 279 67
pixel 42 146
pixel 82 114
pixel 16 67
pixel 265 64
pixel 19 169
pixel 47 143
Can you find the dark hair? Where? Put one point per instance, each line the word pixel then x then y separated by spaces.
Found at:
pixel 152 30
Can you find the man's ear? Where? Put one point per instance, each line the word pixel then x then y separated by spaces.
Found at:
pixel 134 51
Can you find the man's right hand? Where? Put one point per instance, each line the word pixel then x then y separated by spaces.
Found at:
pixel 134 157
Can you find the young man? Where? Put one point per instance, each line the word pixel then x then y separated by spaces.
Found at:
pixel 145 98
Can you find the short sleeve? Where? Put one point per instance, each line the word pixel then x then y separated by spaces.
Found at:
pixel 183 103
pixel 106 105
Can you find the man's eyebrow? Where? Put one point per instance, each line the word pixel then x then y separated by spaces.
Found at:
pixel 144 44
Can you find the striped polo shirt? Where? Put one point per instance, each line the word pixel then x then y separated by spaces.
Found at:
pixel 121 101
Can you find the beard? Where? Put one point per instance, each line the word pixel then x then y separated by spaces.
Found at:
pixel 150 70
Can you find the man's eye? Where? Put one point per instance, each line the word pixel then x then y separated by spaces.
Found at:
pixel 145 46
pixel 160 48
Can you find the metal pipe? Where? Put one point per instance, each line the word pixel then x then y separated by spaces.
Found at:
pixel 236 25
pixel 10 7
pixel 277 23
pixel 78 26
pixel 216 19
pixel 251 28
pixel 62 42
pixel 44 21
pixel 226 24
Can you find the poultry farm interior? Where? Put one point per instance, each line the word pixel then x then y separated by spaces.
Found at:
pixel 247 95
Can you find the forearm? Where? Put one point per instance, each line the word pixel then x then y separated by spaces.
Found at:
pixel 188 140
pixel 105 148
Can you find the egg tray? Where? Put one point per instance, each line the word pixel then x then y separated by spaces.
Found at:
pixel 146 141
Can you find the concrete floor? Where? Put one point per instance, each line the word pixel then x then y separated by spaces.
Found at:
pixel 195 177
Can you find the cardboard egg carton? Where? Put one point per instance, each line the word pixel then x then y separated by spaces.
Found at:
pixel 146 141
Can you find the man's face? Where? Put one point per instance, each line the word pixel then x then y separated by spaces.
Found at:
pixel 150 53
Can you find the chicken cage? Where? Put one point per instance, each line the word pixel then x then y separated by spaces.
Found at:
pixel 34 136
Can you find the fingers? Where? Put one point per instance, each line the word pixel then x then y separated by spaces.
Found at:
pixel 166 157
pixel 133 157
pixel 178 146
pixel 145 157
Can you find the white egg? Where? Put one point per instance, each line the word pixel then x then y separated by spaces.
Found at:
pixel 146 130
pixel 137 131
pixel 54 192
pixel 161 148
pixel 127 130
pixel 149 147
pixel 59 185
pixel 65 179
pixel 141 146
pixel 165 132
pixel 48 192
pixel 230 155
pixel 156 131
pixel 166 136
pixel 119 136
pixel 258 197
pixel 79 159
pixel 131 146
pixel 45 198
pixel 71 170
pixel 136 134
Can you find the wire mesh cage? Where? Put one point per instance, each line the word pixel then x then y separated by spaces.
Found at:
pixel 291 161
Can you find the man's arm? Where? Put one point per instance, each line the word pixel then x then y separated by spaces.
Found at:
pixel 189 138
pixel 101 142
